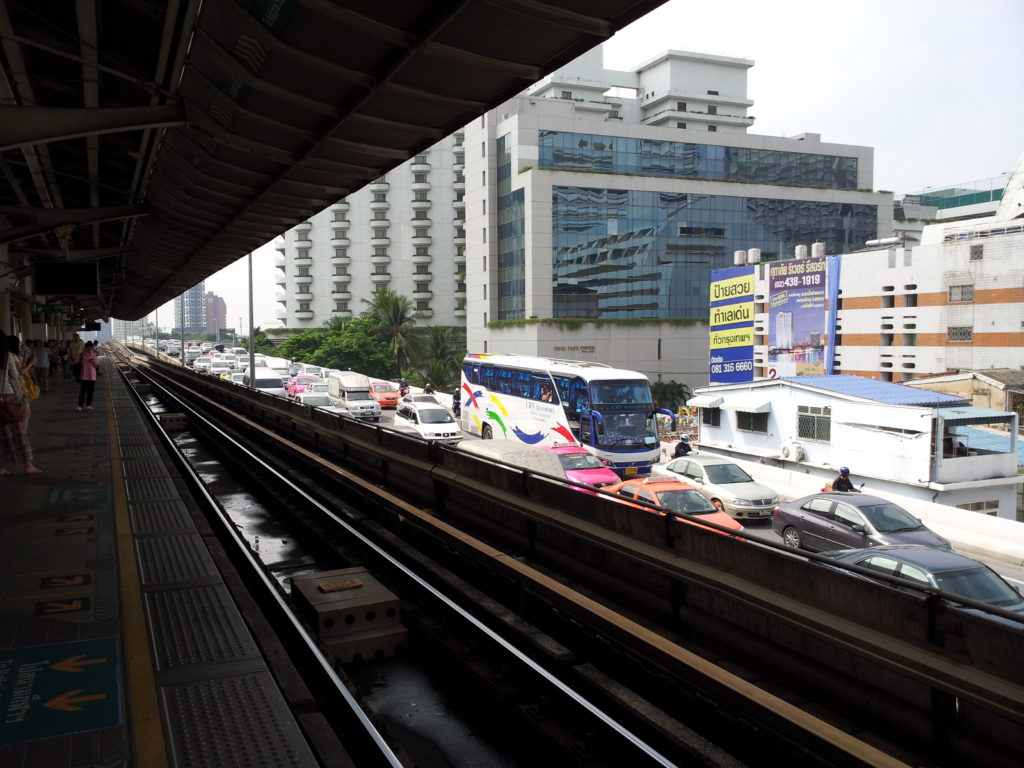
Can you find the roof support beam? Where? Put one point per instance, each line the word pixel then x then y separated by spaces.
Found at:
pixel 22 126
pixel 46 219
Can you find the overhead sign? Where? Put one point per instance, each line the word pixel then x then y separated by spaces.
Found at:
pixel 731 325
pixel 54 309
pixel 51 690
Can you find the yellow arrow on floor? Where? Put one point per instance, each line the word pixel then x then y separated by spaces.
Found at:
pixel 66 701
pixel 75 663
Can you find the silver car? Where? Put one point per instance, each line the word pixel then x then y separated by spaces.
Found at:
pixel 724 483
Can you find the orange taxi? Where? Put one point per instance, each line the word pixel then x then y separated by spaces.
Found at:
pixel 385 393
pixel 673 495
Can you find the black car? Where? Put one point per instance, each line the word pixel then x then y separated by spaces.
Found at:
pixel 824 521
pixel 942 569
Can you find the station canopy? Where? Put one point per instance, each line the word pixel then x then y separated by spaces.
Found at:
pixel 164 141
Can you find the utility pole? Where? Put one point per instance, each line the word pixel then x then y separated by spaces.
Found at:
pixel 252 344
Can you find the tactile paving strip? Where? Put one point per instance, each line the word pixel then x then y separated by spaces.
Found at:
pixel 238 721
pixel 150 488
pixel 144 467
pixel 170 558
pixel 160 515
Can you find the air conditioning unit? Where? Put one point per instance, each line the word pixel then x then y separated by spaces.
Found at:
pixel 792 451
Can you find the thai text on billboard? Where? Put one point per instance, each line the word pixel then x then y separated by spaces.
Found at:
pixel 731 325
pixel 797 317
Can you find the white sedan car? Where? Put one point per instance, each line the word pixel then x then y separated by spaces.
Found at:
pixel 428 420
pixel 725 483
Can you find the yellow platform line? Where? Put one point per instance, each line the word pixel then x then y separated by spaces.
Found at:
pixel 147 731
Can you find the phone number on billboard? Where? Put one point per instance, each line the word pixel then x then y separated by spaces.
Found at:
pixel 795 282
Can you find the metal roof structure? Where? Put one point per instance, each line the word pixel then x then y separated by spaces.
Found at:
pixel 873 389
pixel 166 140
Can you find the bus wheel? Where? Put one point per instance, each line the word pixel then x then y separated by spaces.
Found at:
pixel 487 433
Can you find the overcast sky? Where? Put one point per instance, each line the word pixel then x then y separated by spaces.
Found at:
pixel 935 86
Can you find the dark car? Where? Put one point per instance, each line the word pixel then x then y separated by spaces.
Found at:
pixel 824 521
pixel 939 568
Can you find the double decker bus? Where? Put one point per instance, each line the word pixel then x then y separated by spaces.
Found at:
pixel 541 401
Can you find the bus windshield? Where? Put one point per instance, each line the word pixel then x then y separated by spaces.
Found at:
pixel 626 431
pixel 634 391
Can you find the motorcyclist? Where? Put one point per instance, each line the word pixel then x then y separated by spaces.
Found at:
pixel 683 448
pixel 403 387
pixel 843 482
pixel 457 403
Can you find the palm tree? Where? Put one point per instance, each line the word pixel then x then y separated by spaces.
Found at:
pixel 397 320
pixel 438 353
pixel 336 324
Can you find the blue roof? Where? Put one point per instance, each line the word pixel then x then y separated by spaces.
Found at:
pixel 989 441
pixel 873 389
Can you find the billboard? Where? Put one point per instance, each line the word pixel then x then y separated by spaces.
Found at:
pixel 800 296
pixel 731 325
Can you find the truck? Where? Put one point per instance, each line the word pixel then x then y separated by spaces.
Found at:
pixel 351 390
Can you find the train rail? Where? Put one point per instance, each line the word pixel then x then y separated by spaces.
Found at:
pixel 676 700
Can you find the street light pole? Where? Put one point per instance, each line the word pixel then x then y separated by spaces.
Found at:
pixel 252 344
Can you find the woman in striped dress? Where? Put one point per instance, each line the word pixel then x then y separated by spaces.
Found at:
pixel 14 445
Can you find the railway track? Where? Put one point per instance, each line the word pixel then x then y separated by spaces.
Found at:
pixel 587 682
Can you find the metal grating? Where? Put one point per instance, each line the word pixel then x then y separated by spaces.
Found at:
pixel 198 625
pixel 238 720
pixel 145 467
pixel 160 515
pixel 171 558
pixel 150 488
pixel 138 451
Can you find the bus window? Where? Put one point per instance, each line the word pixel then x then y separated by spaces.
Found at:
pixel 585 433
pixel 487 377
pixel 562 385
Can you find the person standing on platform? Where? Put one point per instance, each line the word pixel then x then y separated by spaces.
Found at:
pixel 89 363
pixel 41 365
pixel 15 447
pixel 76 348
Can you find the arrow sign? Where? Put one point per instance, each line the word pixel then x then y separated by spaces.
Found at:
pixel 75 664
pixel 63 607
pixel 66 701
pixel 75 580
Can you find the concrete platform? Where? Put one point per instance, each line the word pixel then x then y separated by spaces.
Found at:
pixel 119 643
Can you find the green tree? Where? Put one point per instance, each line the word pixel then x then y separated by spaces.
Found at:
pixel 670 394
pixel 437 353
pixel 396 318
pixel 359 347
pixel 303 345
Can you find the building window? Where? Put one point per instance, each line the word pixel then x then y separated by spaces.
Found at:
pixel 712 109
pixel 303 306
pixel 977 252
pixel 421 159
pixel 379 233
pixel 909 339
pixel 341 253
pixel 814 422
pixel 380 269
pixel 910 300
pixel 566 94
pixel 379 197
pixel 960 333
pixel 422 287
pixel 419 178
pixel 341 306
pixel 421 195
pixel 483 207
pixel 990 507
pixel 380 250
pixel 422 250
pixel 711 417
pixel 303 272
pixel 713 129
pixel 302 253
pixel 420 232
pixel 961 293
pixel 421 214
pixel 752 422
pixel 422 269
pixel 680 106
pixel 483 147
pixel 423 304
pixel 680 125
pixel 339 216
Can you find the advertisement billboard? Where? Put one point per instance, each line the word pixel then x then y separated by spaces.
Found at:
pixel 799 340
pixel 731 325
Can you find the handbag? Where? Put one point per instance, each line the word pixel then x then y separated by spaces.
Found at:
pixel 31 388
pixel 12 409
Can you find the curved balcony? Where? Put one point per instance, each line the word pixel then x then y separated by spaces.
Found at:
pixel 422 222
pixel 421 186
pixel 282 316
pixel 380 223
pixel 419 167
pixel 422 277
pixel 422 240
pixel 423 294
pixel 340 242
pixel 379 205
pixel 279 261
pixel 380 259
pixel 340 281
pixel 341 295
pixel 384 277
pixel 459 240
pixel 303 226
pixel 459 221
pixel 423 314
pixel 458 167
pixel 343 313
pixel 459 186
pixel 460 294
pixel 303 242
pixel 425 259
pixel 341 224
pixel 341 261
pixel 281 296
pixel 460 312
pixel 279 244
pixel 303 279
pixel 304 314
pixel 378 186
pixel 302 261
pixel 380 242
pixel 303 294
pixel 420 205
pixel 459 205
pixel 341 205
pixel 281 280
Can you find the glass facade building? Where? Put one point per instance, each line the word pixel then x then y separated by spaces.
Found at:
pixel 635 254
pixel 511 282
pixel 679 159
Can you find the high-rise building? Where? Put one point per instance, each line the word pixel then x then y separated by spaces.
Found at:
pixel 194 302
pixel 403 232
pixel 216 313
pixel 610 196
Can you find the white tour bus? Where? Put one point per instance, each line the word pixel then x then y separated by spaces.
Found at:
pixel 542 401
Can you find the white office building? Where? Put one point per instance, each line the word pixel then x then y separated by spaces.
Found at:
pixel 403 232
pixel 608 197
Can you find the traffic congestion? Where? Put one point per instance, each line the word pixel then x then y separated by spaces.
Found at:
pixel 600 432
